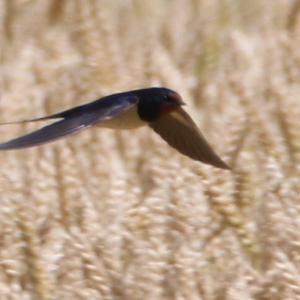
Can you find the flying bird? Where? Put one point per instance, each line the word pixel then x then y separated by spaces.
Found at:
pixel 159 108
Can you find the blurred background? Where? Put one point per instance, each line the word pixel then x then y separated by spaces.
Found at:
pixel 120 215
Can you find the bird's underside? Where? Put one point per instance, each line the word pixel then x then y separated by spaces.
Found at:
pixel 126 120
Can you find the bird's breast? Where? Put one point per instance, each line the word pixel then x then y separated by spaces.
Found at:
pixel 128 119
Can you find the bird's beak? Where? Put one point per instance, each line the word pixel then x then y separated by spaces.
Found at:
pixel 176 99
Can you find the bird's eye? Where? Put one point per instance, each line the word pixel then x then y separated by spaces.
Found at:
pixel 168 99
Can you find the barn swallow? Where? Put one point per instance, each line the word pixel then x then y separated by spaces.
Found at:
pixel 159 108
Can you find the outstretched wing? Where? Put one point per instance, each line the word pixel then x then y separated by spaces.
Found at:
pixel 180 132
pixel 73 121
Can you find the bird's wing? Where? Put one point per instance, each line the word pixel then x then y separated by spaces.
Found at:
pixel 180 132
pixel 73 121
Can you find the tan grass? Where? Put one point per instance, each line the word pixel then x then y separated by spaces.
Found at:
pixel 120 215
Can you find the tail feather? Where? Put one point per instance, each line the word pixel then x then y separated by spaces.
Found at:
pixel 72 112
pixel 31 120
pixel 50 132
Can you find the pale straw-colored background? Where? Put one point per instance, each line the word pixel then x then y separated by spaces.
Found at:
pixel 120 215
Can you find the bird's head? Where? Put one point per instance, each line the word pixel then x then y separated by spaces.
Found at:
pixel 170 102
pixel 156 102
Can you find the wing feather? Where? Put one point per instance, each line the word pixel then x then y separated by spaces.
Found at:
pixel 181 133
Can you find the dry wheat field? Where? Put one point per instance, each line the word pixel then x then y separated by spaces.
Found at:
pixel 119 215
